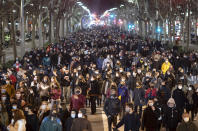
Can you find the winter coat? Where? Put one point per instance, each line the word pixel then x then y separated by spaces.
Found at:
pixel 32 123
pixel 164 94
pixel 170 117
pixel 138 96
pixel 46 61
pixel 131 83
pixel 150 93
pixel 107 60
pixel 55 94
pixel 80 124
pixel 189 126
pixel 68 124
pixel 77 104
pixel 99 63
pixel 94 88
pixel 51 124
pixel 150 118
pixel 19 126
pixel 112 106
pixel 180 99
pixel 195 100
pixel 123 92
pixel 165 67
pixel 4 118
pixel 10 90
pixel 130 122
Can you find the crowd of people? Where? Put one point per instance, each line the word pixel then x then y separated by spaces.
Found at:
pixel 141 83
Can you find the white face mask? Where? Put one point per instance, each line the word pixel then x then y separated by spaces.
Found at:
pixel 73 115
pixel 189 88
pixel 79 115
pixel 186 119
pixel 180 87
pixel 150 104
pixel 3 98
pixel 43 107
pixel 139 71
pixel 18 95
pixel 127 109
pixel 14 107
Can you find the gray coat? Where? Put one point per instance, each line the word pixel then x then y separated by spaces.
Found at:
pixel 138 96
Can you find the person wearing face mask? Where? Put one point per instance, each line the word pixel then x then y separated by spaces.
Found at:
pixel 43 111
pixel 10 89
pixel 131 120
pixel 81 123
pixel 77 101
pixel 51 122
pixel 138 98
pixel 165 66
pixel 4 118
pixel 69 121
pixel 180 99
pixel 93 93
pixel 123 95
pixel 19 121
pixel 150 117
pixel 32 119
pixel 44 89
pixel 112 108
pixel 131 81
pixel 195 104
pixel 107 61
pixel 46 61
pixel 171 116
pixel 189 96
pixel 186 124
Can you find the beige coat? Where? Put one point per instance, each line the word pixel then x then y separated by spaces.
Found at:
pixel 18 126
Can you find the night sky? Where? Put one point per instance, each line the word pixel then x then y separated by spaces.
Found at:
pixel 99 6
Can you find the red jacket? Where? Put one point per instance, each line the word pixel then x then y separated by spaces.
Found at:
pixel 13 79
pixel 151 93
pixel 77 104
pixel 55 94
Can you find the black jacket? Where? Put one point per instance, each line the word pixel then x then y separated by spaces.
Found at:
pixel 32 123
pixel 179 98
pixel 112 106
pixel 150 118
pixel 130 121
pixel 170 117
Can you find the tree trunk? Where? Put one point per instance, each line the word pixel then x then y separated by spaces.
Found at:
pixel 40 31
pixel 33 31
pixel 22 29
pixel 1 30
pixel 57 30
pixel 13 38
pixel 173 32
pixel 50 27
pixel 164 29
pixel 169 31
pixel 189 28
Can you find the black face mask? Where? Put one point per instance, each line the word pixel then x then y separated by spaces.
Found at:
pixel 77 92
